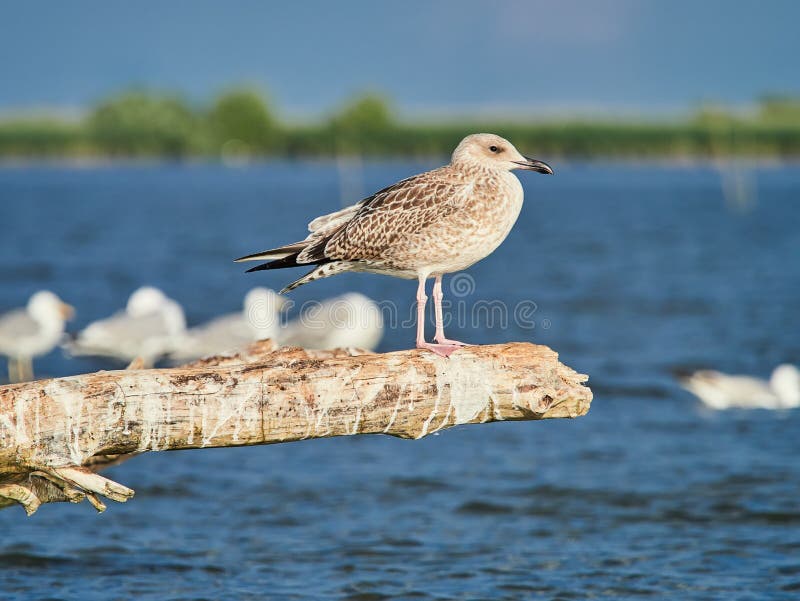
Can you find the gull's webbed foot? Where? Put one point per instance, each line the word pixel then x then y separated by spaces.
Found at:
pixel 443 350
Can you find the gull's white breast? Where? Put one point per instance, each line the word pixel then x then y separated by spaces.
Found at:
pixel 486 219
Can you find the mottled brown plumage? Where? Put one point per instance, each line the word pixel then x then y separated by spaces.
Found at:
pixel 437 222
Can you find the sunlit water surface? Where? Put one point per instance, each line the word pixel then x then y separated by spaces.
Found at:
pixel 634 271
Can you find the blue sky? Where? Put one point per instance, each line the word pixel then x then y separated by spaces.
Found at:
pixel 464 56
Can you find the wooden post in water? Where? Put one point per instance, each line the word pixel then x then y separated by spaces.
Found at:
pixel 56 434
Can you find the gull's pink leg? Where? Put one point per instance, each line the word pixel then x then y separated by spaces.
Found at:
pixel 421 300
pixel 445 350
pixel 437 305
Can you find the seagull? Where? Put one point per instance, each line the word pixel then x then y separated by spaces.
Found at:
pixel 259 319
pixel 427 225
pixel 31 332
pixel 348 321
pixel 148 328
pixel 722 391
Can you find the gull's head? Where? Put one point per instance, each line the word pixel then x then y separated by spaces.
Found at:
pixel 708 386
pixel 490 151
pixel 146 300
pixel 46 307
pixel 261 299
pixel 785 382
pixel 262 308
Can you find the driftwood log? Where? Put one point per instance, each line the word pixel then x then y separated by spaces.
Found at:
pixel 56 434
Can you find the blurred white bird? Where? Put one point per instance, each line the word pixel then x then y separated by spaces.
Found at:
pixel 723 391
pixel 259 319
pixel 31 332
pixel 348 321
pixel 150 327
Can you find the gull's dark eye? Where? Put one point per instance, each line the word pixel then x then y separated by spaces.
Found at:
pixel 493 148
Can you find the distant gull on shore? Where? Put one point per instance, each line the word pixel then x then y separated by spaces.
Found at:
pixel 722 391
pixel 438 222
pixel 33 331
pixel 348 321
pixel 259 319
pixel 150 327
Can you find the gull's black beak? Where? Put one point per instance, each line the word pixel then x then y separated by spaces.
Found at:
pixel 530 164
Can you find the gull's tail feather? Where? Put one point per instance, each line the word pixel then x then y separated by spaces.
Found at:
pixel 306 252
pixel 321 271
pixel 281 252
pixel 281 263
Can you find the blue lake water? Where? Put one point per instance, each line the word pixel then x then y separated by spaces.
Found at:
pixel 629 272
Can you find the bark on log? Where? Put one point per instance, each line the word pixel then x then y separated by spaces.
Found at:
pixel 55 434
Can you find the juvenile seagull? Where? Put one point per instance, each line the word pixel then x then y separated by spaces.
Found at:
pixel 437 222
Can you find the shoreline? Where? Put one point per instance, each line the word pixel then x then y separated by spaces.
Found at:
pixel 80 163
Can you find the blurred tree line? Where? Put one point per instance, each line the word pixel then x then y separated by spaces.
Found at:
pixel 241 123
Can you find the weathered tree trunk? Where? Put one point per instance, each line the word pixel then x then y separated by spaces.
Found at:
pixel 55 434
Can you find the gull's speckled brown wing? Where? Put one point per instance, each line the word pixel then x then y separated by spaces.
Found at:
pixel 385 223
